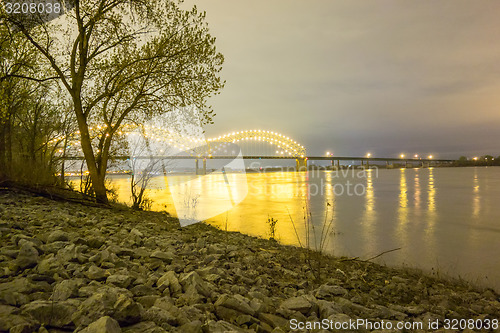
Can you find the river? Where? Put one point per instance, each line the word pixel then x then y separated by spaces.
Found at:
pixel 442 220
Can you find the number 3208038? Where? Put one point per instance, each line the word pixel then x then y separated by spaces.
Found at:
pixel 33 7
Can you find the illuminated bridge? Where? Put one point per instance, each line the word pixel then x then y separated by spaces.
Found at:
pixel 249 144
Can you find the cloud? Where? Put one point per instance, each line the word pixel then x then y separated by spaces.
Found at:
pixel 378 70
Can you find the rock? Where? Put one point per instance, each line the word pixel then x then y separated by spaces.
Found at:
pixel 23 328
pixel 328 292
pixel 10 320
pixel 96 273
pixel 193 279
pixel 141 253
pixel 136 232
pixel 144 327
pixel 119 250
pixel 226 314
pixel 235 303
pixel 104 324
pixel 348 306
pixel 57 235
pixel 299 303
pixel 147 301
pixel 169 280
pixel 273 320
pixel 326 309
pixel 66 289
pixel 191 296
pixel 339 318
pixel 16 291
pixel 159 316
pixel 220 326
pixel 119 280
pixel 48 313
pixel 166 257
pixel 414 310
pixel 191 327
pixel 113 302
pixel 71 253
pixel 49 266
pixel 32 241
pixel 28 256
pixel 19 285
pixel 95 241
pixel 6 310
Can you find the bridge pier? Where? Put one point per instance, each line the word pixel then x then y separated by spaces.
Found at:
pixel 301 164
pixel 201 171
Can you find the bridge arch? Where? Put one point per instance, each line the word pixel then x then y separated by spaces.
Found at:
pixel 287 145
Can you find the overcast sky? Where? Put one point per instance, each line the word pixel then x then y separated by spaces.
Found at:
pixel 387 77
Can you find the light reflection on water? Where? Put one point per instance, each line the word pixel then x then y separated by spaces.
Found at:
pixel 446 219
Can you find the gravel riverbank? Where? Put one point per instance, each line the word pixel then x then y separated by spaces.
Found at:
pixel 67 267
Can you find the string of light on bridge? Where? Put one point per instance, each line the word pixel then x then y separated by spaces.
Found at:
pixel 286 145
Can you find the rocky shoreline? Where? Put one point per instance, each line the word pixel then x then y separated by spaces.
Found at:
pixel 68 267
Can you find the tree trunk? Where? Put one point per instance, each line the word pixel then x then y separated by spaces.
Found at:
pixel 3 164
pixel 97 181
pixel 8 147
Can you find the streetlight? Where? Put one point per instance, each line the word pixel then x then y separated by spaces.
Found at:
pixel 430 157
pixel 416 155
pixel 402 156
pixel 368 155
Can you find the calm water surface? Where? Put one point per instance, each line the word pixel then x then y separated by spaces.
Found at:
pixel 444 220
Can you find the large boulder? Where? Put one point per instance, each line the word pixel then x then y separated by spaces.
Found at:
pixel 169 280
pixel 10 317
pixel 300 303
pixel 166 257
pixel 192 279
pixel 57 235
pixel 113 302
pixel 119 280
pixel 49 313
pixel 236 303
pixel 104 324
pixel 66 289
pixel 28 256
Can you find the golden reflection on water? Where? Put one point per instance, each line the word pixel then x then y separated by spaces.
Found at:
pixel 430 232
pixel 285 196
pixel 403 204
pixel 431 202
pixel 417 189
pixel 369 216
pixel 476 199
pixel 330 206
pixel 431 206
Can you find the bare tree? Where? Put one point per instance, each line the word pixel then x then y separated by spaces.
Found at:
pixel 144 166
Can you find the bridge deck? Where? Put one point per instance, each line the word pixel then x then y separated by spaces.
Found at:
pixel 310 158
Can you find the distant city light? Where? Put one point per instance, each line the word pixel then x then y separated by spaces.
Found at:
pixel 416 155
pixel 430 157
pixel 368 155
pixel 402 155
